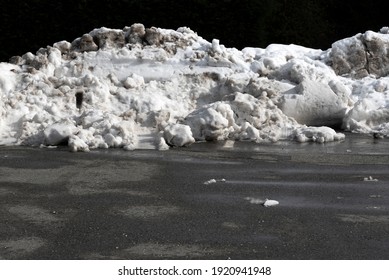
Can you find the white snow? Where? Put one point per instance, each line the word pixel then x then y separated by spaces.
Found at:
pixel 370 179
pixel 265 203
pixel 213 181
pixel 210 181
pixel 155 88
pixel 270 202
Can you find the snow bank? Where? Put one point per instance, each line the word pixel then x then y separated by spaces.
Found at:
pixel 151 87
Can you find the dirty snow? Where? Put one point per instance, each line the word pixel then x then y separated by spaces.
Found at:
pixel 156 88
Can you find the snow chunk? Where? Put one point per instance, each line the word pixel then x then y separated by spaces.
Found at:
pixel 370 179
pixel 317 134
pixel 161 144
pixel 213 181
pixel 265 203
pixel 270 202
pixel 314 103
pixel 211 122
pixel 367 117
pixel 59 133
pixel 76 144
pixel 8 78
pixel 362 55
pixel 108 38
pixel 216 46
pixel 178 135
pixel 135 33
pixel 134 81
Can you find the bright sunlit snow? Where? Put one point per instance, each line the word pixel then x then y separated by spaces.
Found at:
pixel 154 88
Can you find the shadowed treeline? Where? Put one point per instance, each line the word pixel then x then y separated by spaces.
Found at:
pixel 31 24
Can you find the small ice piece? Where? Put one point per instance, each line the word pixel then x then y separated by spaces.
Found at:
pixel 162 145
pixel 370 179
pixel 270 202
pixel 77 144
pixel 266 203
pixel 212 181
pixel 216 46
pixel 373 207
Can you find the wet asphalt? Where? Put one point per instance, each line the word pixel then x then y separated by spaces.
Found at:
pixel 144 204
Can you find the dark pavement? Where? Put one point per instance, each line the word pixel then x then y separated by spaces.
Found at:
pixel 113 204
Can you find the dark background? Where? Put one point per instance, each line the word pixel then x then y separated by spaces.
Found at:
pixel 28 25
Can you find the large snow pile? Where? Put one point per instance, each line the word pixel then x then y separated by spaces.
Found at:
pixel 150 87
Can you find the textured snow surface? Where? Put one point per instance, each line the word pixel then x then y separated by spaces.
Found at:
pixel 155 88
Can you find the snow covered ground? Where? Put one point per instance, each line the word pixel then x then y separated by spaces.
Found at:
pixel 154 88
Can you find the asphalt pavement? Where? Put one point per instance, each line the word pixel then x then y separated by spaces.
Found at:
pixel 200 202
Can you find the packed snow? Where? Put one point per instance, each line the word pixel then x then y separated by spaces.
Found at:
pixel 156 88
